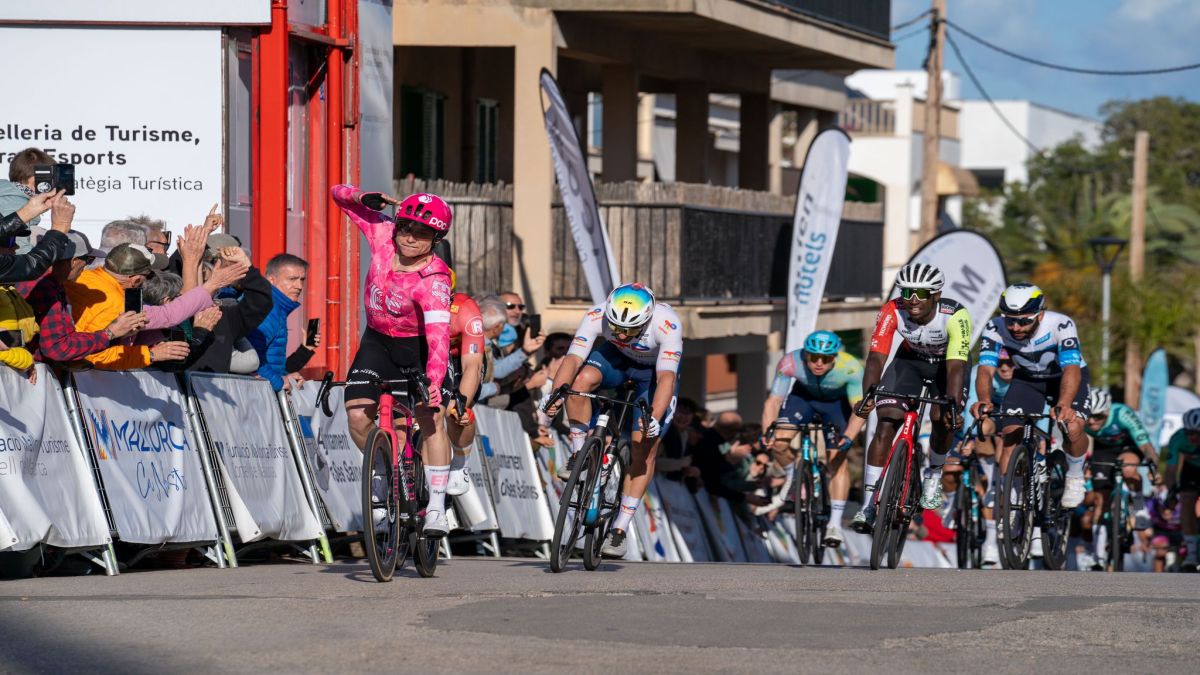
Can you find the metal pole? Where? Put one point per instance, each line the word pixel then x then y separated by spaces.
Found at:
pixel 300 455
pixel 1105 311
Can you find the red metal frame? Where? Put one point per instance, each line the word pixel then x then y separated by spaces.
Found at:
pixel 269 233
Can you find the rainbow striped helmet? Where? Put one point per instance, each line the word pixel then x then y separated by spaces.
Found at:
pixel 629 306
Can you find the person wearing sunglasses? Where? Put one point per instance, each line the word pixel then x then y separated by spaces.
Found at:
pixel 643 343
pixel 1045 349
pixel 935 344
pixel 1117 434
pixel 822 382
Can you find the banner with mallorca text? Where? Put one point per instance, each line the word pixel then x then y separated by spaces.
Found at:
pixel 815 226
pixel 578 195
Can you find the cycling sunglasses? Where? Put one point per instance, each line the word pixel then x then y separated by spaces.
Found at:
pixel 821 358
pixel 415 229
pixel 621 330
pixel 918 293
pixel 1020 320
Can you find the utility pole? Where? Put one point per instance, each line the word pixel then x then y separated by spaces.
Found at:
pixel 933 122
pixel 1137 258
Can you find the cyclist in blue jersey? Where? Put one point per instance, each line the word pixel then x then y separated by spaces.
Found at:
pixel 1117 435
pixel 1182 478
pixel 818 380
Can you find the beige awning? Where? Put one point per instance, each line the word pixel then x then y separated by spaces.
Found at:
pixel 955 180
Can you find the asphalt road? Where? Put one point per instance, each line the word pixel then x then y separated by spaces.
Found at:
pixel 512 615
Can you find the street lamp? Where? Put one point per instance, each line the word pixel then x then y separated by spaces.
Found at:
pixel 1106 250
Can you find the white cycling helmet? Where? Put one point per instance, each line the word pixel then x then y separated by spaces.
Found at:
pixel 629 306
pixel 1099 401
pixel 920 275
pixel 1023 298
pixel 1191 419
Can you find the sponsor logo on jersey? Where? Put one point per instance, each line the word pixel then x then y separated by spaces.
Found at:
pixel 475 327
pixel 667 326
pixel 580 340
pixel 474 349
pixel 1070 343
pixel 595 314
pixel 639 347
pixel 947 309
pixel 672 356
pixel 1042 339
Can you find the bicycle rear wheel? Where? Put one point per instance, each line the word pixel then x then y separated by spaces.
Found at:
pixel 425 549
pixel 1014 520
pixel 887 505
pixel 1117 530
pixel 384 542
pixel 904 514
pixel 611 492
pixel 821 509
pixel 965 542
pixel 572 506
pixel 1056 521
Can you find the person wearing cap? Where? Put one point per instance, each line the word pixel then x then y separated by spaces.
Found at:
pixel 57 338
pixel 98 296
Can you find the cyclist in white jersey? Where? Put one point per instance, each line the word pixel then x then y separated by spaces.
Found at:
pixel 643 343
pixel 1048 361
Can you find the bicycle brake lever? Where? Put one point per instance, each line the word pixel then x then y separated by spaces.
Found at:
pixel 323 393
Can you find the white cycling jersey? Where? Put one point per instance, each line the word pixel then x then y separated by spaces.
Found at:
pixel 660 344
pixel 1055 344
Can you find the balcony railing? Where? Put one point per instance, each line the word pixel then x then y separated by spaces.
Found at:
pixel 867 16
pixel 868 118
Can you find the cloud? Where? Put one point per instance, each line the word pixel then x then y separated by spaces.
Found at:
pixel 1147 10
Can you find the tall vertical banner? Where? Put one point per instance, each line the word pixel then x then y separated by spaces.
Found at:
pixel 975 275
pixel 814 230
pixel 1155 381
pixel 578 195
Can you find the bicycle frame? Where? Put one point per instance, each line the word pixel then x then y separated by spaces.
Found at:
pixel 608 432
pixel 906 432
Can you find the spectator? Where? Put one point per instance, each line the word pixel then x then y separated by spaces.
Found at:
pixel 13 224
pixel 557 345
pixel 716 456
pixel 98 296
pixel 495 319
pixel 19 187
pixel 57 339
pixel 18 328
pixel 287 274
pixel 675 453
pixel 514 308
pixel 237 318
pixel 122 232
pixel 158 240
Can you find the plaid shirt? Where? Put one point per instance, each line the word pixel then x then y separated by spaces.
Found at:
pixel 58 340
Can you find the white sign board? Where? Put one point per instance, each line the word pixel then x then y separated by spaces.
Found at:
pixel 137 111
pixel 517 490
pixel 141 11
pixel 151 471
pixel 245 427
pixel 45 484
pixel 335 460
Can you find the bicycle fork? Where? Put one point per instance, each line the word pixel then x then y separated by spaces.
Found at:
pixel 593 511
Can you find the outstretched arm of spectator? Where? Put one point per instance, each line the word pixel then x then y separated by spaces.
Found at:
pixel 191 252
pixel 255 304
pixel 176 311
pixel 35 263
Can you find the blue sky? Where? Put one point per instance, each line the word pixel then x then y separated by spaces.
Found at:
pixel 1112 34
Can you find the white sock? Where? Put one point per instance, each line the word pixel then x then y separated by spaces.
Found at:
pixel 989 539
pixel 989 495
pixel 836 508
pixel 1075 466
pixel 578 436
pixel 871 476
pixel 436 478
pixel 629 506
pixel 1100 541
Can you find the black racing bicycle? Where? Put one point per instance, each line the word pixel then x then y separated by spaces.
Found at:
pixel 970 531
pixel 809 490
pixel 1029 498
pixel 592 496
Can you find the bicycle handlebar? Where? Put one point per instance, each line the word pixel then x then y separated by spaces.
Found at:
pixel 875 391
pixel 565 390
pixel 410 376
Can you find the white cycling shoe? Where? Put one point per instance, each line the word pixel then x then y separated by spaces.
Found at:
pixel 833 536
pixel 379 516
pixel 436 524
pixel 991 555
pixel 931 493
pixel 459 483
pixel 1073 492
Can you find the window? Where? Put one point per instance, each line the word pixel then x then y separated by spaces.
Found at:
pixel 422 132
pixel 487 117
pixel 239 179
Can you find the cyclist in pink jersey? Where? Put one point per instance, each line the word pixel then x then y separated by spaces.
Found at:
pixel 408 322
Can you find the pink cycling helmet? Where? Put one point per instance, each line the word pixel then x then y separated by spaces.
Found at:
pixel 426 209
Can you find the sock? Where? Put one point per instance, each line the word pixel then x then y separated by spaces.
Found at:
pixel 629 506
pixel 989 539
pixel 989 495
pixel 1075 466
pixel 578 436
pixel 871 476
pixel 458 461
pixel 936 460
pixel 1100 539
pixel 436 478
pixel 836 508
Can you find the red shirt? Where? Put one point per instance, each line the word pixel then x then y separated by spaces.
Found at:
pixel 466 326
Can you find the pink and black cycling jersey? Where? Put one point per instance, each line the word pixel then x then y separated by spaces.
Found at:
pixel 402 304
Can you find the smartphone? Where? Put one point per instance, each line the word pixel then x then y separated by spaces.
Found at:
pixel 12 339
pixel 314 327
pixel 50 177
pixel 133 299
pixel 535 324
pixel 177 335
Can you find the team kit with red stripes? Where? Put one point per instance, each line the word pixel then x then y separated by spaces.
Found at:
pixel 921 345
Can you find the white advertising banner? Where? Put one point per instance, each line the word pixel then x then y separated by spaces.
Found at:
pixel 578 195
pixel 1179 401
pixel 137 147
pixel 335 460
pixel 246 430
pixel 517 492
pixel 8 536
pixel 46 486
pixel 726 545
pixel 226 12
pixel 975 274
pixel 819 204
pixel 752 542
pixel 152 475
pixel 686 525
pixel 654 529
pixel 480 516
pixel 780 541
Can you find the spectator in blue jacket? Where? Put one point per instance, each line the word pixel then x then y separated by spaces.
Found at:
pixel 287 274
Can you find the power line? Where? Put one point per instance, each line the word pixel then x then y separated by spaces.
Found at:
pixel 919 31
pixel 911 21
pixel 987 97
pixel 1069 69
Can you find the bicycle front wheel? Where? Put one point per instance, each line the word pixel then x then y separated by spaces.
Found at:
pixel 425 549
pixel 611 492
pixel 1117 529
pixel 802 502
pixel 1056 521
pixel 964 525
pixel 1014 521
pixel 887 509
pixel 821 509
pixel 572 506
pixel 383 540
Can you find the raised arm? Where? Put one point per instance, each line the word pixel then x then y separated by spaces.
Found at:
pixel 349 200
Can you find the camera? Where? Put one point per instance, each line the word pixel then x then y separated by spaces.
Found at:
pixel 51 177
